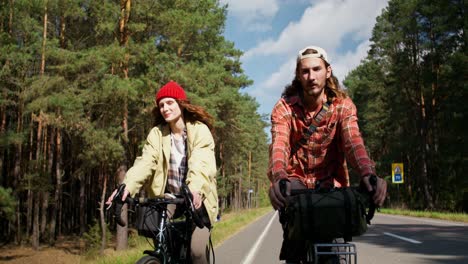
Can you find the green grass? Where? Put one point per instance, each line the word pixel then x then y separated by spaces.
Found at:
pixel 128 256
pixel 233 222
pixel 457 217
pixel 230 224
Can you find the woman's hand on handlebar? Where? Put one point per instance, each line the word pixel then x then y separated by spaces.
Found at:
pixel 197 199
pixel 278 192
pixel 111 198
pixel 119 193
pixel 380 188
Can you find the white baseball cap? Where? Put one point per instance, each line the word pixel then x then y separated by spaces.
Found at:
pixel 321 53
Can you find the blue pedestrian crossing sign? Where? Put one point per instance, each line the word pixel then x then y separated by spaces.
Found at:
pixel 397 173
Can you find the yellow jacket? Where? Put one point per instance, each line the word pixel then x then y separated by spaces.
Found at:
pixel 152 166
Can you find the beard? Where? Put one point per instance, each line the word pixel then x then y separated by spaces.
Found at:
pixel 313 91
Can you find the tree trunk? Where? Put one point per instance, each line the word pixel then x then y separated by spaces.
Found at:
pixel 222 197
pixel 18 224
pixel 57 209
pixel 17 172
pixel 3 116
pixel 39 134
pixel 35 234
pixel 239 194
pixel 29 212
pixel 409 176
pixel 423 137
pixel 47 168
pixel 101 213
pixel 62 32
pixel 434 157
pixel 249 172
pixel 125 7
pixel 122 231
pixel 38 202
pixel 44 208
pixel 83 205
pixel 58 186
pixel 10 19
pixel 44 40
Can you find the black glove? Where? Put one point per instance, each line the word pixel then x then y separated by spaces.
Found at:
pixel 279 190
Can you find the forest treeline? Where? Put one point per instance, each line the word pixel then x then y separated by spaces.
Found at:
pixel 77 84
pixel 411 94
pixel 78 81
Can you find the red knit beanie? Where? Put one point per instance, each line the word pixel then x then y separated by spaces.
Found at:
pixel 172 90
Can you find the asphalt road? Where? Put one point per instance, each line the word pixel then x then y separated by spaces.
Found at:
pixel 390 239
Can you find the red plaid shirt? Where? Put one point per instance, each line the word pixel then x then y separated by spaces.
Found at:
pixel 323 157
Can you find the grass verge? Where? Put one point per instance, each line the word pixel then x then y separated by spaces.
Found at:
pixel 230 224
pixel 457 217
pixel 233 222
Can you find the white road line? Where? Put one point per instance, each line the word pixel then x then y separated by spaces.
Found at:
pixel 250 257
pixel 403 238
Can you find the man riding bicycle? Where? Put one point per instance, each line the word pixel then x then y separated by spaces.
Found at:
pixel 314 135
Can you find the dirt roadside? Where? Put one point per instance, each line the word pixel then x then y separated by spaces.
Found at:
pixel 64 252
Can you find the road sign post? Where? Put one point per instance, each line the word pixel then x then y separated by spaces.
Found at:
pixel 397 177
pixel 397 173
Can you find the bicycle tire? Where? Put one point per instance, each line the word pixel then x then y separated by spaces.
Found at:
pixel 149 260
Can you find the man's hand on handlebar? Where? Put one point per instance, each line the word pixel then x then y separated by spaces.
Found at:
pixel 279 190
pixel 380 188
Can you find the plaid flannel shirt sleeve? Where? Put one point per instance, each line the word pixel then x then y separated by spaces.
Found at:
pixel 354 148
pixel 279 148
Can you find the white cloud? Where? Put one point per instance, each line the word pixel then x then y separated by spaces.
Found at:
pixel 324 24
pixel 350 60
pixel 269 91
pixel 254 15
pixel 332 24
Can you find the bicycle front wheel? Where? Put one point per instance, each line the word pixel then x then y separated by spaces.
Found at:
pixel 149 260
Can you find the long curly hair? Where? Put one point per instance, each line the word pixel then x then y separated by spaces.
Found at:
pixel 332 85
pixel 190 113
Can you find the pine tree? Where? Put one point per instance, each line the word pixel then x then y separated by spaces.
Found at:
pixel 416 45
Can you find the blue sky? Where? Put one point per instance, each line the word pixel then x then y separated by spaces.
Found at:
pixel 271 32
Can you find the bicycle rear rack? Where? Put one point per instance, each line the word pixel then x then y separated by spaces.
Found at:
pixel 345 251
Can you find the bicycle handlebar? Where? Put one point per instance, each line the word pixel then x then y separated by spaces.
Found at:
pixel 185 198
pixel 362 189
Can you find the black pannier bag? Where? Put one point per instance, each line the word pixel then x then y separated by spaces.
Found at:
pixel 326 214
pixel 147 221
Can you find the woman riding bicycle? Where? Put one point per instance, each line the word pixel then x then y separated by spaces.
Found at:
pixel 179 149
pixel 314 133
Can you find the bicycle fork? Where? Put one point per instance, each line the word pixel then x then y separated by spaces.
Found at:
pixel 161 246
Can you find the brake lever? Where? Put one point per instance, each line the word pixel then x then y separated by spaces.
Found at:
pixel 189 200
pixel 118 205
pixel 169 196
pixel 372 205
